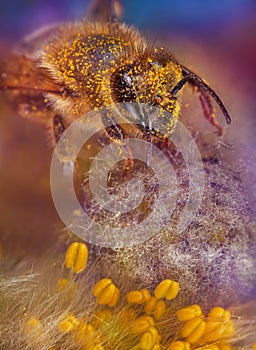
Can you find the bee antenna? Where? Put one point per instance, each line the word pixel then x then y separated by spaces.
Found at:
pixel 203 88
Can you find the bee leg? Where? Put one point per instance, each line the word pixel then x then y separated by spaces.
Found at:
pixel 58 127
pixel 209 111
pixel 149 148
pixel 55 130
pixel 116 133
pixel 205 93
pixel 129 161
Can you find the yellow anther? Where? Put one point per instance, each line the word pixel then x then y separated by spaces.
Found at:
pixel 155 335
pixel 220 331
pixel 146 342
pixel 211 347
pixel 159 309
pixel 138 296
pixel 142 324
pixel 156 307
pixel 149 339
pixel 76 257
pixel 33 323
pixel 219 325
pixel 126 317
pixel 219 314
pixel 167 289
pixel 102 316
pixel 97 347
pixel 101 285
pixel 63 282
pixel 33 328
pixel 68 323
pixel 193 329
pixel 69 286
pixel 114 298
pixel 83 331
pixel 188 313
pixel 179 345
pixel 106 292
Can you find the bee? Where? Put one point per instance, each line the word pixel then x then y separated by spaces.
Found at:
pixel 62 72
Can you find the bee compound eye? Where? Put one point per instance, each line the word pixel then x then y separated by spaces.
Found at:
pixel 123 84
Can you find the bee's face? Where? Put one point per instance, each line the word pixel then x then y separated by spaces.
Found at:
pixel 148 80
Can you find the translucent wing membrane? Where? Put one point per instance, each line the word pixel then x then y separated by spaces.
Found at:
pixel 105 11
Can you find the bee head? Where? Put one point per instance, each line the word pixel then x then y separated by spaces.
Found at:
pixel 157 79
pixel 149 79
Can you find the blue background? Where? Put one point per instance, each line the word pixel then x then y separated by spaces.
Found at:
pixel 195 17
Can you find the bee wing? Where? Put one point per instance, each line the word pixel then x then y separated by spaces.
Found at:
pixel 32 44
pixel 26 85
pixel 105 11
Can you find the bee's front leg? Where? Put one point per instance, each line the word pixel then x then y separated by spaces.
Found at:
pixel 117 134
pixel 58 127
